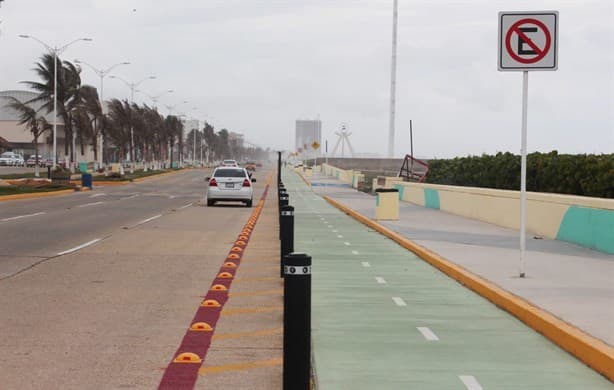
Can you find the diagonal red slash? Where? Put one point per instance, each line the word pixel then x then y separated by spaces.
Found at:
pixel 528 40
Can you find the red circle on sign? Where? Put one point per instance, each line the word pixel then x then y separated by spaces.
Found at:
pixel 541 52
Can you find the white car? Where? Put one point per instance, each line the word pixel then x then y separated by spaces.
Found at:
pixel 10 159
pixel 230 184
pixel 230 163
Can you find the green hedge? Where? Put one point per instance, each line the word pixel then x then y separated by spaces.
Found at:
pixel 582 174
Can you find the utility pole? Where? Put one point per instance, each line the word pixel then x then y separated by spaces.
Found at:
pixel 393 77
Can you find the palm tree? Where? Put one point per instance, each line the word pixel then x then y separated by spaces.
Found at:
pixel 69 82
pixel 37 124
pixel 173 130
pixel 117 125
pixel 88 117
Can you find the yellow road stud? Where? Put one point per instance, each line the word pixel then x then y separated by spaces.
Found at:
pixel 210 303
pixel 201 327
pixel 188 357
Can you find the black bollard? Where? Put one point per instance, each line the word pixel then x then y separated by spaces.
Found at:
pixel 279 167
pixel 297 321
pixel 284 200
pixel 286 229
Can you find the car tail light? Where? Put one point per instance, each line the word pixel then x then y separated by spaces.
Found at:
pixel 212 183
pixel 246 183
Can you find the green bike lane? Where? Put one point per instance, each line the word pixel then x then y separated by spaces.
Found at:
pixel 384 319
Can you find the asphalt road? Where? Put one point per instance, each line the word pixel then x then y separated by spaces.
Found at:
pixel 112 314
pixel 35 230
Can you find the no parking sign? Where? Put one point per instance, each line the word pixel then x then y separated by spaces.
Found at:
pixel 528 41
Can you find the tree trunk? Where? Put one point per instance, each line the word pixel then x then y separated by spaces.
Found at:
pixel 36 169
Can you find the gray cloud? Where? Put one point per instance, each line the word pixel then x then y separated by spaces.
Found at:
pixel 256 66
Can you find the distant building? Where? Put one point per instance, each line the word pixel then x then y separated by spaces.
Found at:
pixel 18 138
pixel 307 132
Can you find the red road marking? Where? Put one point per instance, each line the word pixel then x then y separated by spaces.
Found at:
pixel 179 376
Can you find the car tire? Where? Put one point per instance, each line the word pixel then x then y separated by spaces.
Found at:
pixel 248 203
pixel 210 202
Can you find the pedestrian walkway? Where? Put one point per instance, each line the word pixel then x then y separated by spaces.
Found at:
pixel 383 318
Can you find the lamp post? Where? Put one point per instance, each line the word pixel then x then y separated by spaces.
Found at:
pixel 132 87
pixel 56 51
pixel 101 73
pixel 156 97
pixel 170 109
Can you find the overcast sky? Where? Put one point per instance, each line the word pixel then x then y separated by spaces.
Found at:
pixel 255 66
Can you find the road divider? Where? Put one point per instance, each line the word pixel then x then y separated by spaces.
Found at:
pixel 179 375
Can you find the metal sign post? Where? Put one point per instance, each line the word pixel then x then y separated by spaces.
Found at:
pixel 527 41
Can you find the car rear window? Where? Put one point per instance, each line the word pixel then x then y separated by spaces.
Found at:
pixel 229 173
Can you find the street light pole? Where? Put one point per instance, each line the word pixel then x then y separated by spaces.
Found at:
pixel 55 51
pixel 101 73
pixel 132 87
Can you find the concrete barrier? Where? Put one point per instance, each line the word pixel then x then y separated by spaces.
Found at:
pixel 348 176
pixel 585 221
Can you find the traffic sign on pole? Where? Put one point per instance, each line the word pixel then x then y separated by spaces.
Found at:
pixel 528 41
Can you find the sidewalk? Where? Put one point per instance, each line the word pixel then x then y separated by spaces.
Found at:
pixel 385 319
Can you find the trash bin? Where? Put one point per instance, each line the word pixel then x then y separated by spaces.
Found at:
pixel 86 180
pixel 387 204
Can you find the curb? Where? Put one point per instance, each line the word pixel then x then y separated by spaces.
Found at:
pixel 588 349
pixel 300 174
pixel 35 195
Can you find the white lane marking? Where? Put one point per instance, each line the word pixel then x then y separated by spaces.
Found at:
pixel 90 204
pixel 427 333
pixel 366 264
pixel 97 195
pixel 71 250
pixel 22 216
pixel 355 252
pixel 380 280
pixel 322 219
pixel 347 243
pixel 172 197
pixel 149 219
pixel 399 301
pixel 129 197
pixel 335 230
pixel 470 382
pixel 339 236
pixel 185 207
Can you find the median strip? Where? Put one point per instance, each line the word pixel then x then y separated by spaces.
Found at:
pixel 185 366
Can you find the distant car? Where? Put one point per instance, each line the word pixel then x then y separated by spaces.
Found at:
pixel 19 161
pixel 230 184
pixel 10 159
pixel 229 163
pixel 31 161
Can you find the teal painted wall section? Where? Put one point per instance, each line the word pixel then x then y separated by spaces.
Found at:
pixel 400 188
pixel 592 228
pixel 431 198
pixel 376 199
